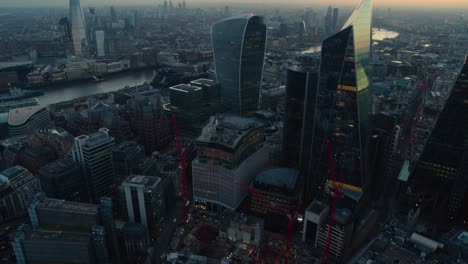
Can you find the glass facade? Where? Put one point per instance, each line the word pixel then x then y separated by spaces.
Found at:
pixel 78 28
pixel 343 101
pixel 301 96
pixel 239 51
pixel 439 177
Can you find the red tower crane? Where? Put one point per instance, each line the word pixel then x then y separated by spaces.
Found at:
pixel 183 165
pixel 291 216
pixel 337 194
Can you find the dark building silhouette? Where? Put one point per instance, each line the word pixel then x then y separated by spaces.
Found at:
pixel 440 176
pixel 301 96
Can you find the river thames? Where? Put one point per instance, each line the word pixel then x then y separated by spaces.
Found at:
pixel 65 92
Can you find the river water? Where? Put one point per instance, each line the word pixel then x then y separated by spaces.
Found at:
pixel 65 92
pixel 377 34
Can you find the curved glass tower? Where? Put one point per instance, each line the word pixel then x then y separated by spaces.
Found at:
pixel 78 28
pixel 343 102
pixel 239 49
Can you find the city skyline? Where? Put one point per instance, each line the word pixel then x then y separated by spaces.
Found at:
pixel 422 4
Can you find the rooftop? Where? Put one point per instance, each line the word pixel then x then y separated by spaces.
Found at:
pixel 58 235
pixel 279 177
pixel 142 181
pixel 228 130
pixel 185 88
pixel 316 207
pixel 19 116
pixel 56 168
pixel 203 82
pixel 13 172
pixel 62 205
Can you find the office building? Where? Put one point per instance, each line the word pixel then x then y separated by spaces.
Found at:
pixel 17 187
pixel 45 246
pixel 280 185
pixel 335 19
pixel 328 21
pixel 126 156
pixel 150 122
pixel 106 214
pixel 143 201
pixel 301 96
pixel 193 104
pixel 343 103
pixel 439 178
pixel 55 214
pixel 100 43
pixel 239 45
pixel 94 155
pixel 62 179
pixel 136 240
pixel 25 120
pixel 230 151
pixel 78 29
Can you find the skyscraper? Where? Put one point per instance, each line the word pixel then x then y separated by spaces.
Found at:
pixel 335 19
pixel 328 21
pixel 113 15
pixel 100 43
pixel 301 95
pixel 343 102
pixel 78 28
pixel 239 49
pixel 94 154
pixel 440 176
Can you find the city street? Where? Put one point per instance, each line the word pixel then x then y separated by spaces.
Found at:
pixel 168 229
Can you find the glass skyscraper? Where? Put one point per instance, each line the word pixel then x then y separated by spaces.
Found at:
pixel 78 28
pixel 439 179
pixel 239 49
pixel 343 103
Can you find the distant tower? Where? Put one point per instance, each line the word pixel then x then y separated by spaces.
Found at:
pixel 113 15
pixel 335 19
pixel 100 43
pixel 78 28
pixel 239 50
pixel 184 4
pixel 328 20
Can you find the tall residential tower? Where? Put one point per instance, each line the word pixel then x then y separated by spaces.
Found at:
pixel 239 49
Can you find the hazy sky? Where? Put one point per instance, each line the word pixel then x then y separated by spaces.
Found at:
pixel 401 3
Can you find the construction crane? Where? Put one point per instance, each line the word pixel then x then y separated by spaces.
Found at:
pixel 183 165
pixel 337 194
pixel 291 216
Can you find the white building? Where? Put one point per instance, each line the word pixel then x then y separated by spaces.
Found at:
pixel 230 151
pixel 94 154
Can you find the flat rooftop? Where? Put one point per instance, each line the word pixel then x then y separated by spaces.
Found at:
pixel 184 88
pixel 142 181
pixel 228 130
pixel 203 82
pixel 13 172
pixel 67 206
pixel 19 116
pixel 58 235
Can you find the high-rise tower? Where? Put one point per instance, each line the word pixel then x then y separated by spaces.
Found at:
pixel 239 49
pixel 440 176
pixel 78 28
pixel 343 102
